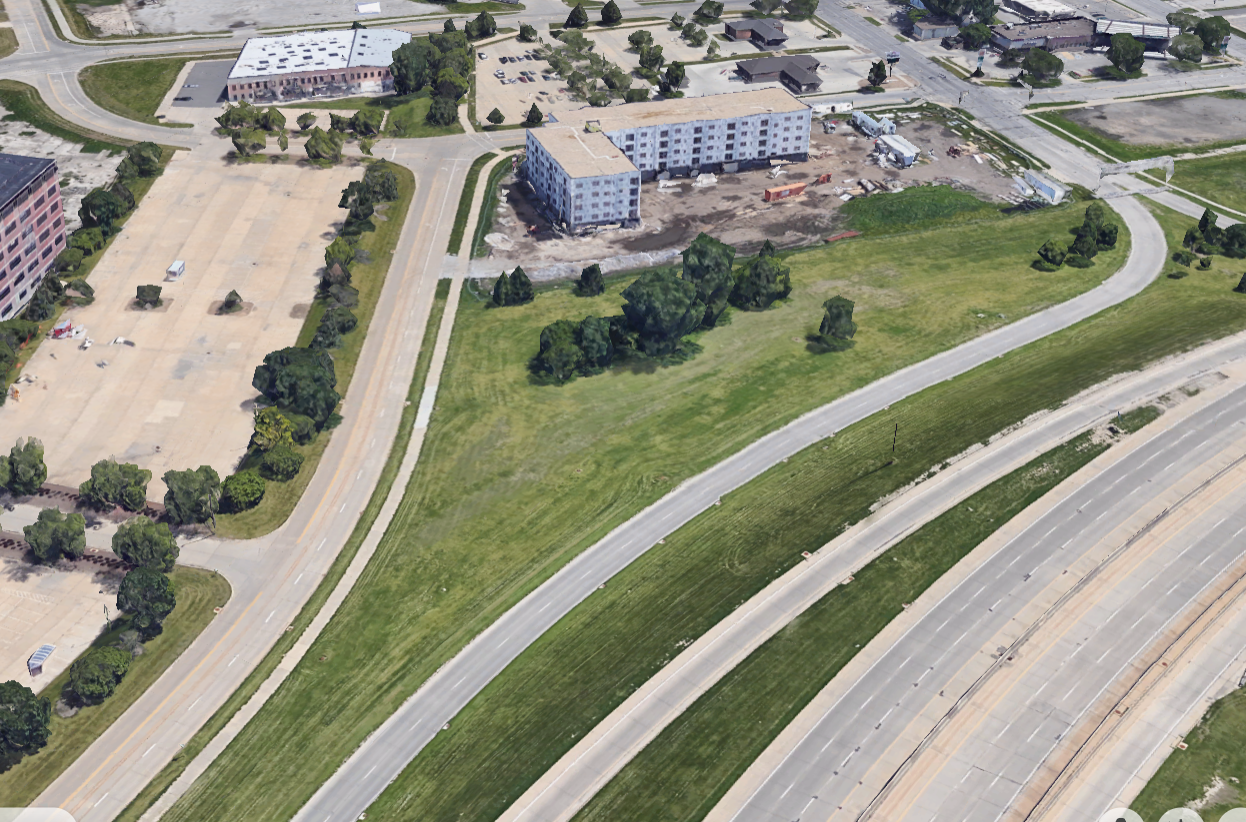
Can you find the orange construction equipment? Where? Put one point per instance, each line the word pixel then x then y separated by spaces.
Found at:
pixel 782 192
pixel 825 178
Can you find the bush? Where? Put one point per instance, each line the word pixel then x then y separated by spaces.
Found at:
pixel 282 463
pixel 148 296
pixel 242 491
pixel 115 483
pixel 1183 258
pixel 1205 263
pixel 94 676
pixel 69 260
pixel 1043 265
pixel 302 429
pixel 87 240
pixel 442 112
pixel 1078 261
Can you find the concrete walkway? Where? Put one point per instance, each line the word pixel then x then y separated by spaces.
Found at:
pixel 373 539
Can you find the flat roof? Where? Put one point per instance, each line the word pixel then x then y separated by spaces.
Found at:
pixel 1048 7
pixel 1150 31
pixel 1047 28
pixel 898 142
pixel 770 65
pixel 17 172
pixel 687 109
pixel 582 153
pixel 317 50
pixel 935 24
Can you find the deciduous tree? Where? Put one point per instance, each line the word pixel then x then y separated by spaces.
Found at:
pixel 241 491
pixel 1042 64
pixel 146 544
pixel 527 33
pixel 306 120
pixel 639 39
pixel 193 496
pixel 1125 53
pixel 837 324
pixel 25 720
pixel 443 111
pixel 25 467
pixel 95 675
pixel 662 308
pixel 54 535
pixel 115 483
pixel 766 280
pixel 301 380
pixel 148 596
pixel 1187 47
pixel 282 463
pixel 878 74
pixel 1212 31
pixel 707 265
pixel 591 283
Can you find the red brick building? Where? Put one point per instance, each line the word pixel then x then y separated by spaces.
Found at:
pixel 33 227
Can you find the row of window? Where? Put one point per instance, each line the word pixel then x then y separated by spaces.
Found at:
pixel 30 267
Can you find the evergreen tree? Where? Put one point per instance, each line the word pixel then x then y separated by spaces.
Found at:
pixel 502 290
pixel 578 18
pixel 591 282
pixel 521 287
pixel 610 14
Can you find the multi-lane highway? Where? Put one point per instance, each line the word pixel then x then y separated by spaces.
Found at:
pixel 274 576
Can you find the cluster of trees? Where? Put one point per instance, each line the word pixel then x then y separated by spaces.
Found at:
pixel 440 63
pixel 1207 239
pixel 693 34
pixel 1041 64
pixel 115 484
pixel 1095 234
pixel 25 721
pixel 1198 35
pixel 963 11
pixel 661 308
pixel 1125 54
pixel 513 289
pixel 250 126
pixel 575 61
pixel 482 26
pixel 578 18
pixel 23 470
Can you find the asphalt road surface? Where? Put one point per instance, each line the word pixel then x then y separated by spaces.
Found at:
pixel 821 773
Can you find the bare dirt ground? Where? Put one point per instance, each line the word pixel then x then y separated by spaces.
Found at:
pixel 180 395
pixel 185 16
pixel 733 210
pixel 1167 121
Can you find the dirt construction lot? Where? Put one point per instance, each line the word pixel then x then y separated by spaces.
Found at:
pixel 181 395
pixel 1168 121
pixel 733 210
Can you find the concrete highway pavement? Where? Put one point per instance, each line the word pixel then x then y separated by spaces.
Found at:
pixel 587 767
pixel 819 776
pixel 387 751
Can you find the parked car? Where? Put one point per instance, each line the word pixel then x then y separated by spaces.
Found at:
pixel 482 55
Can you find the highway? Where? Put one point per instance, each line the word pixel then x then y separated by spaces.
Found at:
pixel 926 674
pixel 272 577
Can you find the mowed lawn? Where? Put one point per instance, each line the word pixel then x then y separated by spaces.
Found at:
pixel 132 88
pixel 515 479
pixel 198 593
pixel 1220 179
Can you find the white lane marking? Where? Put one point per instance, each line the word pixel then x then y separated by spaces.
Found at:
pixel 193 704
pixel 101 799
pixel 149 750
pixel 270 616
pixel 343 508
pixel 369 773
pixel 296 582
pixel 322 542
pixel 232 661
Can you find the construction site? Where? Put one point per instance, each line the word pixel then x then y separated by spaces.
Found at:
pixel 1167 121
pixel 792 205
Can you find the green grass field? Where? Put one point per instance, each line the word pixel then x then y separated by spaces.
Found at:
pixel 516 479
pixel 281 497
pixel 1216 752
pixel 198 592
pixel 132 88
pixel 1220 179
pixel 684 771
pixel 8 40
pixel 24 103
pixel 406 113
pixel 488 208
pixel 464 211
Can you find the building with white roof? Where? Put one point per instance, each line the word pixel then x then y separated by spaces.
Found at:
pixel 315 63
pixel 587 168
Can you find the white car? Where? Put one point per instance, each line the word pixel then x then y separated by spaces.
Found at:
pixel 482 55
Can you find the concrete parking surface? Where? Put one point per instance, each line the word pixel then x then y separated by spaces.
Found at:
pixel 181 395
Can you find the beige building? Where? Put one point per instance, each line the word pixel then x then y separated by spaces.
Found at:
pixel 315 64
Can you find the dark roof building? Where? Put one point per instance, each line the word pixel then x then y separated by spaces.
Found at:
pixel 765 33
pixel 1051 35
pixel 1154 36
pixel 798 72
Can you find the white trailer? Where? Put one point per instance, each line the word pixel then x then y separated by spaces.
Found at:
pixel 175 271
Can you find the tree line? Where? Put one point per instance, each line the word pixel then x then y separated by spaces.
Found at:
pixel 441 63
pixel 1096 233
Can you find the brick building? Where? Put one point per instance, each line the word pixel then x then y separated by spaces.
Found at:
pixel 33 227
pixel 315 64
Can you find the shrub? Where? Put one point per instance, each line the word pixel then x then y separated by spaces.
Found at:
pixel 69 259
pixel 282 463
pixel 148 296
pixel 242 491
pixel 94 676
pixel 1182 257
pixel 1078 261
pixel 302 429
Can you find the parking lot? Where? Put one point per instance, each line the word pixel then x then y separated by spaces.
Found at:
pixel 178 394
pixel 514 99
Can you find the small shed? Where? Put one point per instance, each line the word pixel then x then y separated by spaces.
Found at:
pixel 35 664
pixel 1049 189
pixel 899 149
pixel 175 271
pixel 872 127
pixel 783 192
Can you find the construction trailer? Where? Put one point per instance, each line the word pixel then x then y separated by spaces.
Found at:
pixel 898 149
pixel 871 127
pixel 1047 188
pixel 175 271
pixel 783 192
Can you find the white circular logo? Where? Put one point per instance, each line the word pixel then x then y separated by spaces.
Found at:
pixel 1120 815
pixel 1181 815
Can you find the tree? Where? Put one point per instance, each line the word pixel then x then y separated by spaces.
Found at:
pixel 448 26
pixel 68 260
pixel 801 9
pixel 249 141
pixel 148 597
pixel 521 287
pixel 559 355
pixel 324 145
pixel 54 535
pixel 640 39
pixel 26 470
pixel 283 141
pixel 367 121
pixel 837 326
pixel 1125 53
pixel 765 281
pixel 591 282
pixel 148 296
pixel 678 20
pixel 1042 64
pixel 301 380
pixel 94 676
pixel 193 496
pixel 593 337
pixel 1182 20
pixel 1212 31
pixel 707 265
pixel 878 74
pixel 43 302
pixel 113 483
pixel 442 112
pixel 483 26
pixel 101 208
pixel 578 18
pixel 766 7
pixel 651 58
pixel 414 65
pixel 710 10
pixel 1187 47
pixel 272 119
pixel 636 95
pixel 610 14
pixel 662 308
pixel 502 290
pixel 141 160
pixel 1011 58
pixel 712 51
pixel 617 80
pixel 282 463
pixel 975 36
pixel 24 723
pixel 1207 221
pixel 1241 285
pixel 1053 252
pixel 241 491
pixel 146 544
pixel 451 84
pixel 231 303
pixel 535 117
pixel 496 117
pixel 674 77
pixel 527 33
pixel 306 120
pixel 697 37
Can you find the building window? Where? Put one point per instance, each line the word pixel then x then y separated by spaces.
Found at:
pixel 43 218
pixel 662 156
pixel 632 203
pixel 727 156
pixel 43 236
pixel 663 133
pixel 730 126
pixel 696 130
pixel 10 228
pixel 696 140
pixel 47 252
pixel 24 216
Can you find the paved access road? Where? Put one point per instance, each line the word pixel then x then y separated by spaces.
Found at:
pixel 821 774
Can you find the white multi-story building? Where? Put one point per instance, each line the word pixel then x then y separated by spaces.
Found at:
pixel 607 153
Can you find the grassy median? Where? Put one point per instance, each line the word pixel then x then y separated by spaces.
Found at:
pixel 517 478
pixel 133 89
pixel 198 593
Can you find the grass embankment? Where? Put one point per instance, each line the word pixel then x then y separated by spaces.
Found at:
pixel 685 771
pixel 198 593
pixel 281 497
pixel 406 113
pixel 488 208
pixel 1220 179
pixel 24 103
pixel 158 785
pixel 134 89
pixel 1214 764
pixel 464 211
pixel 516 479
pixel 8 40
